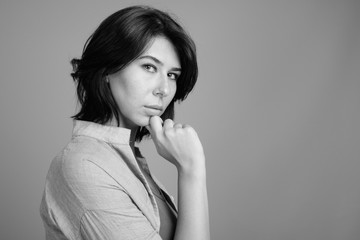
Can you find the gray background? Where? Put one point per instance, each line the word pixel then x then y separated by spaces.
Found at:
pixel 276 107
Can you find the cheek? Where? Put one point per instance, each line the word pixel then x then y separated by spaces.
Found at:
pixel 173 90
pixel 171 94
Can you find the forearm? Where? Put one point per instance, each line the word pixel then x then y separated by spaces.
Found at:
pixel 180 145
pixel 193 216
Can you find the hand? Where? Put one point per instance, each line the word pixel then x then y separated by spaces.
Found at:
pixel 177 143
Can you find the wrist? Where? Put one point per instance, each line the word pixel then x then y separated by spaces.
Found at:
pixel 196 171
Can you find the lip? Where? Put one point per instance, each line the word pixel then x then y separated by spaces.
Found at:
pixel 155 107
pixel 153 110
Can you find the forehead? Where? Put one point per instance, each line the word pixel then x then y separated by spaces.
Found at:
pixel 162 49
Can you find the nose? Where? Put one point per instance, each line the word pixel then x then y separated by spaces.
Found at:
pixel 162 87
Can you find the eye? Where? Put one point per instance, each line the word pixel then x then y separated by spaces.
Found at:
pixel 149 68
pixel 173 76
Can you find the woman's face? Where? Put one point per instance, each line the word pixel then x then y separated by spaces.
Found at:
pixel 147 85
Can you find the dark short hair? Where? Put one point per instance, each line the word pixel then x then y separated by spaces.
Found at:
pixel 120 39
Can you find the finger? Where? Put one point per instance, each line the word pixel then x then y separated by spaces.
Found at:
pixel 155 125
pixel 178 125
pixel 168 124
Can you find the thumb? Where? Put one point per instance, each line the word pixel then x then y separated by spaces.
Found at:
pixel 155 125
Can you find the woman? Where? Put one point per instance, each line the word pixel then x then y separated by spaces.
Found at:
pixel 133 68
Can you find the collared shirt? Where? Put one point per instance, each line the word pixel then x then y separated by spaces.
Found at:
pixel 96 189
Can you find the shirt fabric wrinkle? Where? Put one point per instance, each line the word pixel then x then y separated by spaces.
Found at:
pixel 99 162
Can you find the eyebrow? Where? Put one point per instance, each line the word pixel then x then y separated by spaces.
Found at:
pixel 159 62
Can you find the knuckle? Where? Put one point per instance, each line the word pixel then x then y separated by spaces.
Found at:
pixel 168 132
pixel 178 130
pixel 188 128
pixel 168 120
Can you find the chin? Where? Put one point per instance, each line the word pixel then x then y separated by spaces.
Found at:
pixel 143 122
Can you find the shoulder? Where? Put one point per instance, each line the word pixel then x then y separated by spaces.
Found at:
pixel 88 168
pixel 88 161
pixel 86 158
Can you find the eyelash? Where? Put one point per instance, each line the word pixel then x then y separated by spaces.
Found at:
pixel 147 66
pixel 154 69
pixel 175 76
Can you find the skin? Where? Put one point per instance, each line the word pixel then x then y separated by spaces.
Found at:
pixel 150 80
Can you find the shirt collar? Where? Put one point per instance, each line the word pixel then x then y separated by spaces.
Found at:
pixel 110 134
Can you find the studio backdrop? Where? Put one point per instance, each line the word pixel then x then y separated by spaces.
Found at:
pixel 276 107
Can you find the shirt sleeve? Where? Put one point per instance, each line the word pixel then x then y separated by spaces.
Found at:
pixel 110 212
pixel 116 224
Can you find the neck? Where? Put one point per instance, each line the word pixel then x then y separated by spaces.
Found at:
pixel 132 138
